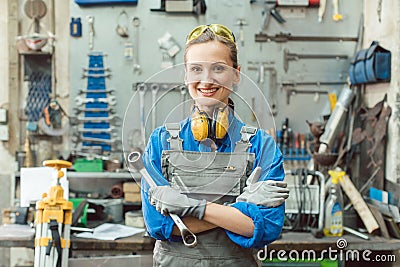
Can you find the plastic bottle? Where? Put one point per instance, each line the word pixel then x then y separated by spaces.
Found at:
pixel 333 224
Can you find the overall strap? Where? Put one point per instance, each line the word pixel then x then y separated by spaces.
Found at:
pixel 246 133
pixel 174 141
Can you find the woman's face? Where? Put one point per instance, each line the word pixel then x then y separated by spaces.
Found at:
pixel 209 73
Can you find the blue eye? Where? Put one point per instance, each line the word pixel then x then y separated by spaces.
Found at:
pixel 196 69
pixel 219 68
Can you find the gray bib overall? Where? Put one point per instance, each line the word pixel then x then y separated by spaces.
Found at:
pixel 218 177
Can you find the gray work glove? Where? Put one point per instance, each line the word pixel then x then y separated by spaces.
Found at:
pixel 170 200
pixel 266 193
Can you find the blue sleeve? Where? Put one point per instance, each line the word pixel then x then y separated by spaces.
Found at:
pixel 268 222
pixel 158 226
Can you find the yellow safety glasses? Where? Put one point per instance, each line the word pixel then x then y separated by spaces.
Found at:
pixel 218 29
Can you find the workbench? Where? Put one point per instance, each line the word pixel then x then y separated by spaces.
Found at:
pixel 288 241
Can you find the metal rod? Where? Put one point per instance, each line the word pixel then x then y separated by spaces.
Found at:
pixel 356 233
pixel 285 37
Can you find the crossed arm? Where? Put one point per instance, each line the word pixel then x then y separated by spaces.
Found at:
pixel 222 216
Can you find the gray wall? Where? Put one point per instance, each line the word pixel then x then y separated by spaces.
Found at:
pixel 155 24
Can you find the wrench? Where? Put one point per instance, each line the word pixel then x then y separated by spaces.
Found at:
pixel 90 155
pixel 91 31
pixel 154 91
pixel 82 109
pixel 287 56
pixel 97 69
pixel 97 91
pixel 136 65
pixel 188 238
pixel 111 100
pixel 96 75
pixel 100 140
pixel 183 98
pixel 111 129
pixel 112 118
pixel 293 92
pixel 142 91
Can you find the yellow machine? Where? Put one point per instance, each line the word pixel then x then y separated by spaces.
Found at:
pixel 53 223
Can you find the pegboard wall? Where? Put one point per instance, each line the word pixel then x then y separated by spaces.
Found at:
pixel 321 74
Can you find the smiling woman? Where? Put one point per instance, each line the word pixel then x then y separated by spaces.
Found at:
pixel 211 194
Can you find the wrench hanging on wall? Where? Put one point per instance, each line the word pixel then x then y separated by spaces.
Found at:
pixel 142 91
pixel 287 56
pixel 263 67
pixel 91 31
pixel 136 65
pixel 290 88
pixel 183 91
pixel 154 91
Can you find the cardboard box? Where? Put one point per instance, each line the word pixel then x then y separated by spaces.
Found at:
pixel 131 187
pixel 132 197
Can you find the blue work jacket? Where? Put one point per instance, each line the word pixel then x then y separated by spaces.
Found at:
pixel 268 222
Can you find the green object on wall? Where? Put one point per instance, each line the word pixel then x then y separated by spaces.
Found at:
pixel 85 165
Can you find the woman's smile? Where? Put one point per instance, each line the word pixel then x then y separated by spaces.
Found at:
pixel 208 91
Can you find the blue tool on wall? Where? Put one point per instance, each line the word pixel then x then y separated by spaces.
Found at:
pixel 96 105
pixel 75 27
pixel 105 2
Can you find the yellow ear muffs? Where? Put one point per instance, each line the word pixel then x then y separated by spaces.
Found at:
pixel 221 122
pixel 199 125
pixel 204 127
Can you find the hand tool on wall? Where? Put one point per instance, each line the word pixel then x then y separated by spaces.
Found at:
pixel 53 222
pixel 285 37
pixel 96 75
pixel 141 88
pixel 136 65
pixel 90 20
pixel 111 129
pixel 379 10
pixel 183 91
pixel 269 10
pixel 263 67
pixel 336 15
pixel 78 110
pixel 287 56
pixel 293 92
pixel 100 140
pixel 253 107
pixel 188 238
pixel 241 22
pixel 154 91
pixel 111 100
pixel 110 118
pixel 122 27
pixel 321 10
pixel 97 91
pixel 35 9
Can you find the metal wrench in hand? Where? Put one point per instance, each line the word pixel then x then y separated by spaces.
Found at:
pixel 188 238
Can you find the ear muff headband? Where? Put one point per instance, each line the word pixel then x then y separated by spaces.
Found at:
pixel 221 122
pixel 213 128
pixel 199 124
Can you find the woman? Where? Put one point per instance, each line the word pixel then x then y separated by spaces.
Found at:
pixel 202 166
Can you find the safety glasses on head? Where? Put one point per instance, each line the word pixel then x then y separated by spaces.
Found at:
pixel 218 29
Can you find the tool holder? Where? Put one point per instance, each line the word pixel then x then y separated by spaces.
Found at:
pixel 93 108
pixel 53 223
